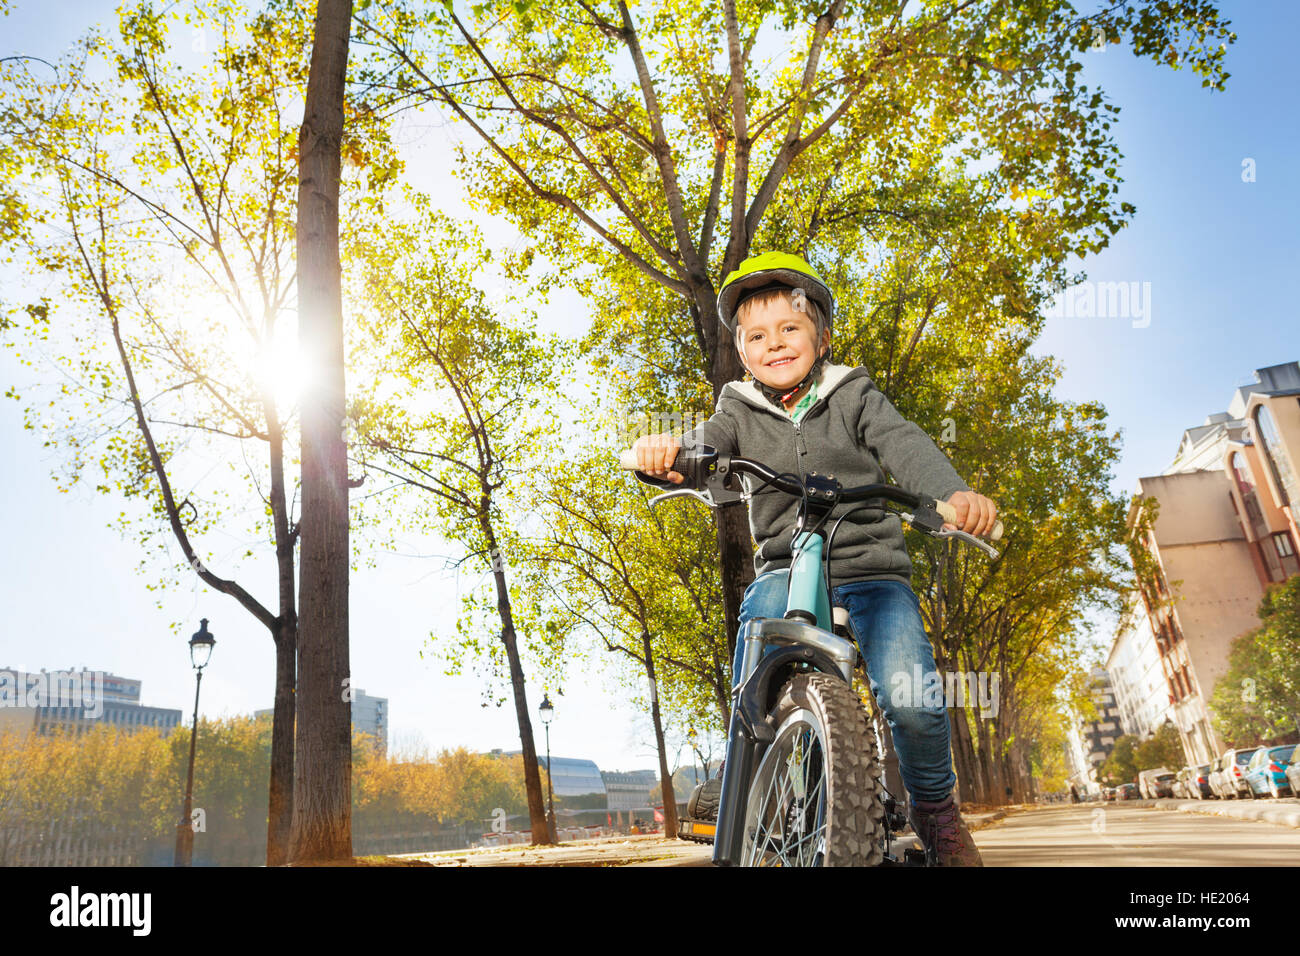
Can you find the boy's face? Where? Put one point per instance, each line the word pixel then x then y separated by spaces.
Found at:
pixel 778 343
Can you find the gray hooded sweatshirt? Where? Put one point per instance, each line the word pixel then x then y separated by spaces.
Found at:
pixel 853 432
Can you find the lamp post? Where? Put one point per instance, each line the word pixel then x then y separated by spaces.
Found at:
pixel 546 712
pixel 201 645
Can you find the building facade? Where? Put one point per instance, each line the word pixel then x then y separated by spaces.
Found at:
pixel 630 790
pixel 1137 678
pixel 71 702
pixel 1099 735
pixel 1225 531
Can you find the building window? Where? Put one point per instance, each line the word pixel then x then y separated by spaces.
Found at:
pixel 1282 541
pixel 1271 442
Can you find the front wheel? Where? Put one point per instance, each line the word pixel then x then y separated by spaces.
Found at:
pixel 816 797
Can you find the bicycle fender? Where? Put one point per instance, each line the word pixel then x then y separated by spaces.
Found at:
pixel 756 695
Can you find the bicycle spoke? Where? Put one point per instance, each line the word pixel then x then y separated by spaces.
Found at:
pixel 815 799
pixel 787 821
pixel 761 829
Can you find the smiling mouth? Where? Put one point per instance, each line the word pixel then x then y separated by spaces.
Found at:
pixel 779 362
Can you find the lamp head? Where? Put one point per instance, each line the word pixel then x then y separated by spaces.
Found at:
pixel 201 645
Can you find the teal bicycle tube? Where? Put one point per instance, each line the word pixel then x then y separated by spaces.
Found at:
pixel 807 586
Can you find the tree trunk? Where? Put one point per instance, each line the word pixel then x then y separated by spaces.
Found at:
pixel 279 818
pixel 722 697
pixel 322 801
pixel 961 751
pixel 986 762
pixel 735 544
pixel 532 777
pixel 665 778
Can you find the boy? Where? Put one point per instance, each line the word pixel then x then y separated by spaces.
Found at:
pixel 799 414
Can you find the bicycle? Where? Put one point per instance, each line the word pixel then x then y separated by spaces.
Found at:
pixel 801 785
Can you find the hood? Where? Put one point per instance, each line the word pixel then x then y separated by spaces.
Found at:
pixel 832 376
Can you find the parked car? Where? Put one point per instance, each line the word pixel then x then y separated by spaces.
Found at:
pixel 1266 772
pixel 1232 781
pixel 1198 785
pixel 1109 793
pixel 1293 776
pixel 1216 775
pixel 1156 783
pixel 1162 785
pixel 1129 791
pixel 1185 786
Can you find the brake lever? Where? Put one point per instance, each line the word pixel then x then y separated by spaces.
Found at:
pixel 703 496
pixel 930 522
pixel 970 539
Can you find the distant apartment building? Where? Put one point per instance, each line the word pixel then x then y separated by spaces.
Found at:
pixel 1083 773
pixel 73 701
pixel 1090 741
pixel 1099 735
pixel 630 790
pixel 1137 678
pixel 369 716
pixel 1226 530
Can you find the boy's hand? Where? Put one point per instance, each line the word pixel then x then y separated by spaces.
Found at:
pixel 655 455
pixel 975 513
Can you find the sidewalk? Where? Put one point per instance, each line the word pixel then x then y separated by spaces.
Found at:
pixel 652 849
pixel 1284 812
pixel 648 849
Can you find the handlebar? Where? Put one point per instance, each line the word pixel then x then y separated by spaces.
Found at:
pixel 703 466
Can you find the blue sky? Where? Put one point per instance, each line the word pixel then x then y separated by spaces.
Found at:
pixel 1220 255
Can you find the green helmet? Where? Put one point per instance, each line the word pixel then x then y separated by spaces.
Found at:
pixel 772 270
pixel 778 270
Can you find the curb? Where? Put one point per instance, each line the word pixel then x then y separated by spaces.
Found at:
pixel 1286 815
pixel 977 821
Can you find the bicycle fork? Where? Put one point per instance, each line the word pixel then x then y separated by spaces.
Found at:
pixel 750 731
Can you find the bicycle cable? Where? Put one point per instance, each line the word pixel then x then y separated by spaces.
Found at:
pixel 794 556
pixel 794 479
pixel 826 557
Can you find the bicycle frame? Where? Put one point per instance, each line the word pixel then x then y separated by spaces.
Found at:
pixel 799 644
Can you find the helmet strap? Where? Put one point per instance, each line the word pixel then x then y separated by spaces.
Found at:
pixel 779 396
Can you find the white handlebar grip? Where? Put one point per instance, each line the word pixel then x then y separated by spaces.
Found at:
pixel 949 514
pixel 627 460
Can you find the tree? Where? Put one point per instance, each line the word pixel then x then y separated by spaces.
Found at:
pixel 455 787
pixel 1258 699
pixel 165 217
pixel 1121 766
pixel 1020 619
pixel 1164 748
pixel 862 146
pixel 620 149
pixel 453 422
pixel 322 809
pixel 638 581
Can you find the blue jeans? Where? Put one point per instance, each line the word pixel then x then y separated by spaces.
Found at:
pixel 886 618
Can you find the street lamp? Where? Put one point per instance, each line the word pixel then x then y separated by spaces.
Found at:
pixel 546 712
pixel 201 645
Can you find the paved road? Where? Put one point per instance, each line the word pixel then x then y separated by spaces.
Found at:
pixel 1115 835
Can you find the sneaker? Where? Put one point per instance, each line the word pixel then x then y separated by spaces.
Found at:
pixel 940 825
